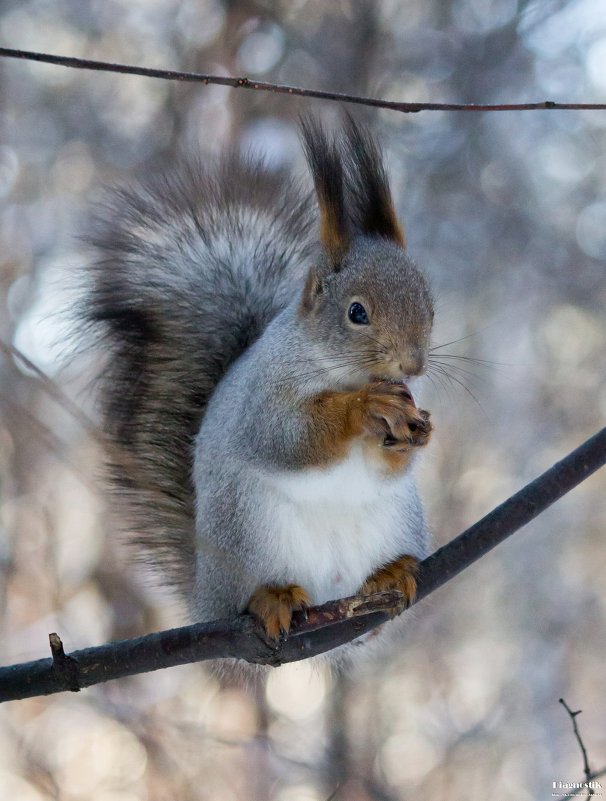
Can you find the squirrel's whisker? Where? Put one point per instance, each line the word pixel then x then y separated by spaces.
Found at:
pixel 455 368
pixel 453 379
pixel 474 359
pixel 349 363
pixel 440 383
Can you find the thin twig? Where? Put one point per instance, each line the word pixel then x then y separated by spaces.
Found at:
pixel 577 734
pixel 64 666
pixel 54 390
pixel 322 628
pixel 264 86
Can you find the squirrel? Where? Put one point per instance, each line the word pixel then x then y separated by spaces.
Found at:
pixel 257 390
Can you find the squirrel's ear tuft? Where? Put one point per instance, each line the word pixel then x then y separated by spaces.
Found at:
pixel 371 203
pixel 327 171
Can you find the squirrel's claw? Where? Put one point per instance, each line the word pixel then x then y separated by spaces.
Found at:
pixel 391 414
pixel 273 607
pixel 399 575
pixel 414 431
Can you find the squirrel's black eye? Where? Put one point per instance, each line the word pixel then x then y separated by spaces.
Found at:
pixel 357 314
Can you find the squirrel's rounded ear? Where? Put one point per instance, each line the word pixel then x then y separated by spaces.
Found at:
pixel 327 170
pixel 372 207
pixel 313 288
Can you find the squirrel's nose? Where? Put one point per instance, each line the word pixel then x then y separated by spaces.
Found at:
pixel 413 361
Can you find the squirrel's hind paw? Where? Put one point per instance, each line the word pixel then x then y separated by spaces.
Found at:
pixel 273 607
pixel 398 575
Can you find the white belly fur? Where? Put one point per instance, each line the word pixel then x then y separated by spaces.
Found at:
pixel 333 527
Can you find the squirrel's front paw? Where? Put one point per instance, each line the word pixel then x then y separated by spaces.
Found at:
pixel 398 575
pixel 274 606
pixel 392 415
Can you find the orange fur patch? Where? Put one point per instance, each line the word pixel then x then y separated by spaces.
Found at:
pixel 333 234
pixel 374 412
pixel 398 575
pixel 397 232
pixel 273 606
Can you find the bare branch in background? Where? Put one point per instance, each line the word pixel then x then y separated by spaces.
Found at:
pixel 264 86
pixel 54 390
pixel 322 628
pixel 589 776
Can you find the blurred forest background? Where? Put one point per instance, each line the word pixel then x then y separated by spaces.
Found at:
pixel 507 214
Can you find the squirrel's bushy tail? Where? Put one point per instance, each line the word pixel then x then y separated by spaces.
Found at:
pixel 190 267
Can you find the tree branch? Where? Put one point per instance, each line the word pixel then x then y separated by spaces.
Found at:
pixel 586 769
pixel 322 628
pixel 264 86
